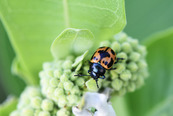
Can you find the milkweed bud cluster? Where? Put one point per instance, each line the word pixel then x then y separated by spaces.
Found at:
pixel 132 70
pixel 33 103
pixel 60 89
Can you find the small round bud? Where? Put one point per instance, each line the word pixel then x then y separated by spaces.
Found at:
pixel 131 87
pixel 54 82
pixel 67 64
pixel 120 67
pixel 132 66
pixel 27 111
pixel 57 73
pixel 36 102
pixel 44 113
pixel 47 105
pixel 59 92
pixel 134 56
pixel 116 46
pixel 125 75
pixel 63 112
pixel 126 47
pixel 80 82
pixel 72 77
pixel 49 73
pixel 142 64
pixel 72 99
pixel 122 55
pixel 75 90
pixel 121 37
pixel 114 75
pixel 64 78
pixel 62 101
pixel 68 85
pixel 117 84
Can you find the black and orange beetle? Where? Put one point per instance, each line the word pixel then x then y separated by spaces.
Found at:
pixel 102 60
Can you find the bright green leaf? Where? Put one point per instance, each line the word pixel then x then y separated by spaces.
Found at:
pixel 71 40
pixel 8 82
pixel 146 17
pixel 32 25
pixel 156 97
pixel 8 106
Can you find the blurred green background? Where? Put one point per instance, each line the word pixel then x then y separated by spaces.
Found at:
pixel 144 18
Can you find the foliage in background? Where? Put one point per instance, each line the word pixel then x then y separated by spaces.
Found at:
pixel 156 97
pixel 33 25
pixel 10 83
pixel 141 23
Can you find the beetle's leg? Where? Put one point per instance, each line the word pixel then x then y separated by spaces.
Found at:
pixel 102 77
pixel 97 83
pixel 80 75
pixel 113 69
pixel 118 59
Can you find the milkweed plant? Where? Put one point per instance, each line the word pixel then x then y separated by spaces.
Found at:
pixel 52 49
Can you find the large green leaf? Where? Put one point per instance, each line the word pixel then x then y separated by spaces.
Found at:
pixel 156 97
pixel 146 17
pixel 8 82
pixel 32 25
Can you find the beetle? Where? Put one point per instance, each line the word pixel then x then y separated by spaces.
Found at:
pixel 102 60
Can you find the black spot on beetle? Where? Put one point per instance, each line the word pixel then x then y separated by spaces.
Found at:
pixel 112 52
pixel 111 63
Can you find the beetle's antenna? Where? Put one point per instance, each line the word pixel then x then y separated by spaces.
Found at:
pixel 97 83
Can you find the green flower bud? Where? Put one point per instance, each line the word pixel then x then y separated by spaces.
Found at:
pixel 125 75
pixel 72 99
pixel 57 73
pixel 117 84
pixel 126 47
pixel 49 73
pixel 132 66
pixel 75 90
pixel 54 82
pixel 131 87
pixel 63 112
pixel 120 67
pixel 64 78
pixel 47 105
pixel 134 56
pixel 133 42
pixel 121 37
pixel 116 46
pixel 58 92
pixel 62 101
pixel 68 85
pixel 44 113
pixel 37 112
pixel 36 102
pixel 67 64
pixel 80 82
pixel 27 112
